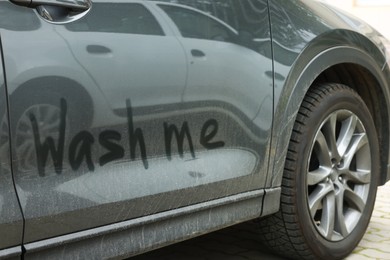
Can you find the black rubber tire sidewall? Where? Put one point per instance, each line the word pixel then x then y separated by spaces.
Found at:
pixel 338 100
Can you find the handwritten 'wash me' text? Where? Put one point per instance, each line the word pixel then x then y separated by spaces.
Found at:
pixel 80 146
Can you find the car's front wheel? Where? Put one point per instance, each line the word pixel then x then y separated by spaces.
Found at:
pixel 330 177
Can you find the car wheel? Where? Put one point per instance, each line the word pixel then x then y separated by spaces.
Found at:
pixel 48 120
pixel 45 106
pixel 330 177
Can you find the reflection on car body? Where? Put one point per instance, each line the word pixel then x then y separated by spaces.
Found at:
pixel 140 123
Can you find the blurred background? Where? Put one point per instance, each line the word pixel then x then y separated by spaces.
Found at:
pixel 375 12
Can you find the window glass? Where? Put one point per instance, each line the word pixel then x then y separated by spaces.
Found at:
pixel 118 18
pixel 241 22
pixel 250 16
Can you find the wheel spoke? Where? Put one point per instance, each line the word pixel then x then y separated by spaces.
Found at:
pixel 356 143
pixel 328 215
pixel 359 177
pixel 321 150
pixel 340 224
pixel 346 134
pixel 318 175
pixel 354 200
pixel 316 197
pixel 329 130
pixel 23 125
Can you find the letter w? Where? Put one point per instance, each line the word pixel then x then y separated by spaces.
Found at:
pixel 42 149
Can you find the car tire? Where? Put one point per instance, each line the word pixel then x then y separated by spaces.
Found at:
pixel 330 178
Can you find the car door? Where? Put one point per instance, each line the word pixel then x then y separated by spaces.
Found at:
pixel 229 72
pixel 11 220
pixel 107 123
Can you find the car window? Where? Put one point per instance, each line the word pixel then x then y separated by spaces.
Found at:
pixel 194 24
pixel 118 18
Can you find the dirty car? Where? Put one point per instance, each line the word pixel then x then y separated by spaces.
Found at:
pixel 128 125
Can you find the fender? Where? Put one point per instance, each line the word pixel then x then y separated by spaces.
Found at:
pixel 308 66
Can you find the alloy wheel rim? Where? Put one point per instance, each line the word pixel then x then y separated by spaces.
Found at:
pixel 338 175
pixel 48 119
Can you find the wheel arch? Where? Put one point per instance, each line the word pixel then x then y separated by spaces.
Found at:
pixel 349 65
pixel 369 89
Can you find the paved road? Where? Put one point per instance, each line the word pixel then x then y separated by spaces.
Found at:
pixel 241 242
pixel 376 242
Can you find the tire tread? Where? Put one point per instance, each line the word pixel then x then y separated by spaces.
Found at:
pixel 281 232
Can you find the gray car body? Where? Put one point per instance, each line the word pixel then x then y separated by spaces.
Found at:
pixel 165 136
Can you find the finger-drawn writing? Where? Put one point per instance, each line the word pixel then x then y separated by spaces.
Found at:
pixel 48 146
pixel 169 130
pixel 81 145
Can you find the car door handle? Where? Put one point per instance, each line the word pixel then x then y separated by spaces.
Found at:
pixel 57 11
pixel 97 49
pixel 197 53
